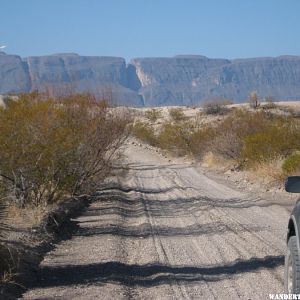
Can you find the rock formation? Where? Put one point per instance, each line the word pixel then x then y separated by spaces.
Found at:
pixel 179 80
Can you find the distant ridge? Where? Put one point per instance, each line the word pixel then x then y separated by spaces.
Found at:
pixel 179 80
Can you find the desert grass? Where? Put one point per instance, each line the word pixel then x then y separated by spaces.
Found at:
pixel 269 172
pixel 30 215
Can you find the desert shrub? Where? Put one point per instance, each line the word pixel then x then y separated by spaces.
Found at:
pixel 200 140
pixel 279 138
pixel 3 229
pixel 50 148
pixel 270 104
pixel 144 132
pixel 177 114
pixel 263 145
pixel 153 115
pixel 291 164
pixel 175 137
pixel 216 106
pixel 229 135
pixel 2 218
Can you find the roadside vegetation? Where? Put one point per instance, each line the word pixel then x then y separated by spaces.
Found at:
pixel 262 138
pixel 176 114
pixel 153 115
pixel 3 266
pixel 50 149
pixel 217 106
pixel 54 149
pixel 144 132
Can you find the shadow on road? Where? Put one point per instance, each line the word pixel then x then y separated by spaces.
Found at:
pixel 118 202
pixel 150 274
pixel 146 230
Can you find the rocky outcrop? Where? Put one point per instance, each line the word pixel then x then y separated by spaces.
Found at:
pixel 179 80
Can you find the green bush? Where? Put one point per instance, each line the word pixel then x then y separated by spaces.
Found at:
pixel 229 134
pixel 263 145
pixel 200 140
pixel 248 136
pixel 292 163
pixel 177 114
pixel 144 132
pixel 153 115
pixel 175 137
pixel 279 138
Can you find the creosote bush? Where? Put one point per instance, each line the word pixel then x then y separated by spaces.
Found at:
pixel 153 114
pixel 200 140
pixel 175 137
pixel 249 139
pixel 51 148
pixel 176 114
pixel 144 132
pixel 216 106
pixel 291 165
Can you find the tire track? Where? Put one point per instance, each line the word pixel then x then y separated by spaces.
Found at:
pixel 166 231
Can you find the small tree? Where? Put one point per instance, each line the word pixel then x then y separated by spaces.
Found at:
pixel 253 100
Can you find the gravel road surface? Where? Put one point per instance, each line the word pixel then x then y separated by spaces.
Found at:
pixel 164 230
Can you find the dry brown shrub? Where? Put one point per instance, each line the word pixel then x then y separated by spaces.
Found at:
pixel 268 172
pixel 213 161
pixel 253 100
pixel 216 106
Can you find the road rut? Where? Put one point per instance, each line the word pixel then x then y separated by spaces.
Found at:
pixel 166 231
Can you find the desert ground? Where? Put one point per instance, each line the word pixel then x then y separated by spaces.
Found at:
pixel 163 228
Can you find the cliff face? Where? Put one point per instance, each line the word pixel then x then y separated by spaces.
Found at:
pixel 180 80
pixel 191 80
pixel 98 75
pixel 14 77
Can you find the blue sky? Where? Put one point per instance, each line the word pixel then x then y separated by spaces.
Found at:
pixel 142 28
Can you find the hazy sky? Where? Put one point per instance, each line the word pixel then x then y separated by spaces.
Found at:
pixel 139 28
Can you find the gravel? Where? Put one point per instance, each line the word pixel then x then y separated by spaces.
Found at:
pixel 164 230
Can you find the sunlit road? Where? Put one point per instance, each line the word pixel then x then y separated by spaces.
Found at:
pixel 163 230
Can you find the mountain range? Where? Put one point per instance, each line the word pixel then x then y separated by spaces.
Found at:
pixel 179 80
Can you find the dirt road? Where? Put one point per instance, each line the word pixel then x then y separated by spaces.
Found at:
pixel 166 231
